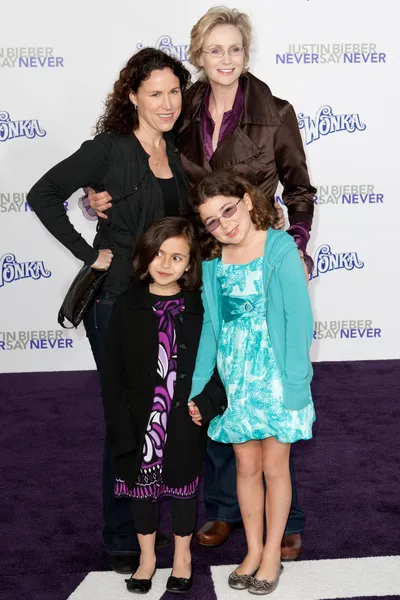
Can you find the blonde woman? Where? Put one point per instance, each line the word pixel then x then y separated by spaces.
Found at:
pixel 232 120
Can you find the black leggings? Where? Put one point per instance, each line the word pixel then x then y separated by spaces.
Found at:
pixel 145 515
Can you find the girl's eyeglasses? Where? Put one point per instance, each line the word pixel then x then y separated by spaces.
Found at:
pixel 228 212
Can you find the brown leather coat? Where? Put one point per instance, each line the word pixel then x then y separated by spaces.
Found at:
pixel 265 147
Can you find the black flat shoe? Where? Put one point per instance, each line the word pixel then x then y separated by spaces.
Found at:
pixel 179 585
pixel 139 586
pixel 124 563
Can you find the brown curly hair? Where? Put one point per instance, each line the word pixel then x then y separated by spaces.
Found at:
pixel 119 114
pixel 226 183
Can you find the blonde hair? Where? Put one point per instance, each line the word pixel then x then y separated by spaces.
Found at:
pixel 218 15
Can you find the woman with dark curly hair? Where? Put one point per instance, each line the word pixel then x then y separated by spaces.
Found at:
pixel 134 157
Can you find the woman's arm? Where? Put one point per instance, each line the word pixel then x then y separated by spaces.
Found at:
pixel 86 167
pixel 298 193
pixel 206 353
pixel 208 392
pixel 298 330
pixel 116 412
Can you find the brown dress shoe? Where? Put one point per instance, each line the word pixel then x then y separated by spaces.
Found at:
pixel 214 533
pixel 291 547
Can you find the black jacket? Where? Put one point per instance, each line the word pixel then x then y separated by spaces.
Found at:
pixel 118 164
pixel 265 147
pixel 128 383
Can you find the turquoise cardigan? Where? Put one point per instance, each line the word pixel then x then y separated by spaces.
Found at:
pixel 289 318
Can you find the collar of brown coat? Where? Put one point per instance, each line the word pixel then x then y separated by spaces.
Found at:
pixel 259 105
pixel 260 109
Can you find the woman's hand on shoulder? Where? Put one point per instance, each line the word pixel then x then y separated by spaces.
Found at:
pixel 103 261
pixel 280 224
pixel 195 413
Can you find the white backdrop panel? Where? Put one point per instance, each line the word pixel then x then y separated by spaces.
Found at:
pixel 58 63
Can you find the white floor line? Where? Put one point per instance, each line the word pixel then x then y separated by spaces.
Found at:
pixel 303 580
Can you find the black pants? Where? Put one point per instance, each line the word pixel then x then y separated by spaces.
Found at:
pixel 220 488
pixel 118 532
pixel 146 515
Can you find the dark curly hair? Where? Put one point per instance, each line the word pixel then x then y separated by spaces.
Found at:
pixel 226 183
pixel 119 114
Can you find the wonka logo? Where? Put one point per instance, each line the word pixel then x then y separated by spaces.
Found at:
pixel 166 44
pixel 326 123
pixel 11 270
pixel 325 260
pixel 9 129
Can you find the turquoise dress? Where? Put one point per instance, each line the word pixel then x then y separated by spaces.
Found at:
pixel 248 368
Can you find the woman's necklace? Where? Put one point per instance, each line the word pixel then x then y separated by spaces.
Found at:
pixel 154 161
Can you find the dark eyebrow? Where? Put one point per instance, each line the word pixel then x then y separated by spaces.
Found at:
pixel 160 91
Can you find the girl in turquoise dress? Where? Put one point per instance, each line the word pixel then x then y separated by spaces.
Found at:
pixel 256 336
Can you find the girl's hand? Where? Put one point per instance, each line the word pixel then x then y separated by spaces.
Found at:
pixel 281 217
pixel 194 413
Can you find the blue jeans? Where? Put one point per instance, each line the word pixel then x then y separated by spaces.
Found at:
pixel 220 489
pixel 118 532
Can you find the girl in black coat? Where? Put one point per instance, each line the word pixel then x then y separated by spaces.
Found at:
pixel 148 364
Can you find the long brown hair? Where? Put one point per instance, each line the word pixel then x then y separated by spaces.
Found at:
pixel 226 183
pixel 119 114
pixel 151 241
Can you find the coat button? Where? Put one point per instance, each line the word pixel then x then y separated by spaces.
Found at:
pixel 181 375
pixel 180 318
pixel 177 404
pixel 183 346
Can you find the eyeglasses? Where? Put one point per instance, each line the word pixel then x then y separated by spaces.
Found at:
pixel 227 213
pixel 218 52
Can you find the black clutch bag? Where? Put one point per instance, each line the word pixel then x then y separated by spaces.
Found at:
pixel 80 295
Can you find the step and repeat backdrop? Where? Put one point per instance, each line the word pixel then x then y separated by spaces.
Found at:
pixel 336 61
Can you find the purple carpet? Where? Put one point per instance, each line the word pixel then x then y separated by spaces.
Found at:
pixel 50 458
